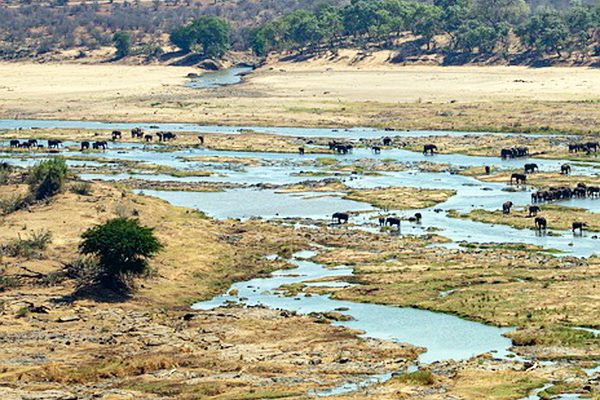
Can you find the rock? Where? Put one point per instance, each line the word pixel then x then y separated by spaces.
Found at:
pixel 188 316
pixel 209 65
pixel 69 318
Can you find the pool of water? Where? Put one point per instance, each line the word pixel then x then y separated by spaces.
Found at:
pixel 225 77
pixel 248 203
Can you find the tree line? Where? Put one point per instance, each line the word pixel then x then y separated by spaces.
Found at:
pixel 482 26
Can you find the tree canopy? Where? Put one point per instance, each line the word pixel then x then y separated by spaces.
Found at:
pixel 122 41
pixel 207 35
pixel 483 26
pixel 122 247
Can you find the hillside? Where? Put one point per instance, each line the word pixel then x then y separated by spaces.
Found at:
pixel 446 32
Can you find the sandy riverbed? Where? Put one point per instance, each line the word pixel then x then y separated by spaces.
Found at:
pixel 311 94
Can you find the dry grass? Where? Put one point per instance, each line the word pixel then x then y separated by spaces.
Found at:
pixel 540 180
pixel 558 217
pixel 401 198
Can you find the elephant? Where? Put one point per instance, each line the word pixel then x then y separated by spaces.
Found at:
pixel 519 178
pixel 430 149
pixel 578 226
pixel 393 221
pixel 506 207
pixel 530 168
pixel 541 223
pixel 534 210
pixel 341 217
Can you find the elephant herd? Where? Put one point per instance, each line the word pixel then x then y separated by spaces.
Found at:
pixel 34 144
pixel 97 145
pixel 554 194
pixel 541 224
pixel 514 152
pixel 588 147
pixel 340 147
pixel 391 221
pixel 138 133
pixel 581 191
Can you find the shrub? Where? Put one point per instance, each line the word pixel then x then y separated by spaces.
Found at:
pixel 122 247
pixel 122 42
pixel 5 170
pixel 6 282
pixel 84 270
pixel 82 188
pixel 31 247
pixel 11 204
pixel 47 178
pixel 421 378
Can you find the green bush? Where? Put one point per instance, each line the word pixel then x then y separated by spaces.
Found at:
pixel 122 42
pixel 122 247
pixel 47 178
pixel 5 170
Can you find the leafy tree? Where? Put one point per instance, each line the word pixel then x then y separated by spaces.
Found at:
pixel 269 36
pixel 399 12
pixel 497 12
pixel 210 34
pixel 426 22
pixel 122 247
pixel 183 38
pixel 329 21
pixel 302 28
pixel 47 178
pixel 360 16
pixel 580 21
pixel 454 14
pixel 476 34
pixel 122 42
pixel 546 31
pixel 257 41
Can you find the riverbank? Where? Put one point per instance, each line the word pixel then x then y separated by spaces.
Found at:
pixel 150 345
pixel 495 98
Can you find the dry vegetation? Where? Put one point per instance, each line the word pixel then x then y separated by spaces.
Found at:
pixel 142 346
pixel 401 198
pixel 558 217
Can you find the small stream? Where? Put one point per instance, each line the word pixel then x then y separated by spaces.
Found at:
pixel 446 337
